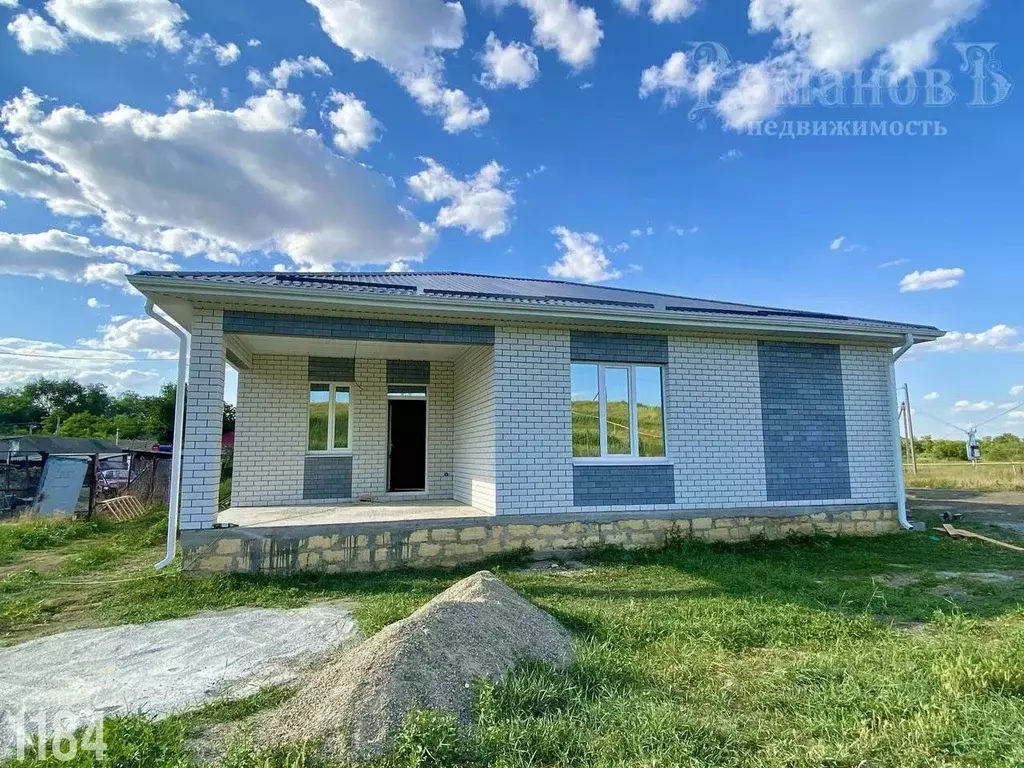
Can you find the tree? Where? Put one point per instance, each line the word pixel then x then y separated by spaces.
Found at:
pixel 85 424
pixel 229 419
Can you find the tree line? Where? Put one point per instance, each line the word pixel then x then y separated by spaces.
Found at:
pixel 68 408
pixel 1005 447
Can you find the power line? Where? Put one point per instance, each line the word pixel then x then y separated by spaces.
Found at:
pixel 86 357
pixel 1008 410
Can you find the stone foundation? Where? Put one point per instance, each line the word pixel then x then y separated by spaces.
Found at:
pixel 359 547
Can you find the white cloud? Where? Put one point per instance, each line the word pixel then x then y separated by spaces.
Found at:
pixel 35 34
pixel 478 204
pixel 573 31
pixel 409 40
pixel 73 258
pixel 225 54
pixel 997 338
pixel 731 155
pixel 286 69
pixel 355 128
pixel 247 179
pixel 822 36
pixel 841 34
pixel 94 303
pixel 1017 390
pixel 837 243
pixel 400 35
pixel 677 77
pixel 966 406
pixel 932 396
pixel 191 100
pixel 22 360
pixel 893 263
pixel 620 248
pixel 122 21
pixel 399 266
pixel 8 3
pixel 456 109
pixel 111 357
pixel 662 10
pixel 1015 415
pixel 931 280
pixel 252 42
pixel 137 335
pixel 583 257
pixel 513 64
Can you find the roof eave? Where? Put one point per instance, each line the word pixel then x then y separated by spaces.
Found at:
pixel 156 286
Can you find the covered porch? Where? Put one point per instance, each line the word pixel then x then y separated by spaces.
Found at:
pixel 342 420
pixel 338 430
pixel 349 512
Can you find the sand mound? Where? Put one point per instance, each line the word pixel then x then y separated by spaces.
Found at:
pixel 476 628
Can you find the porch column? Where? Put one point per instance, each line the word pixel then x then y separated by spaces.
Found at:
pixel 204 413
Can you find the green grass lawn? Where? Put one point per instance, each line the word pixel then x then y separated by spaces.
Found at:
pixel 962 475
pixel 798 653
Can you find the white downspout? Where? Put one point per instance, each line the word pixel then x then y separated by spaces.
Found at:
pixel 178 441
pixel 908 342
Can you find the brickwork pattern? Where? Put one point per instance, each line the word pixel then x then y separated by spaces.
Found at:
pixel 533 443
pixel 440 428
pixel 449 543
pixel 869 419
pixel 602 347
pixel 598 485
pixel 370 429
pixel 204 414
pixel 408 371
pixel 713 416
pixel 803 417
pixel 327 477
pixel 474 432
pixel 362 329
pixel 332 369
pixel 271 430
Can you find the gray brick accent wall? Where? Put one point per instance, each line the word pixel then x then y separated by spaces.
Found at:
pixel 327 477
pixel 803 418
pixel 328 327
pixel 602 485
pixel 332 369
pixel 602 347
pixel 408 371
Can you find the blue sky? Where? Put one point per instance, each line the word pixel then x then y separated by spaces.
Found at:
pixel 591 140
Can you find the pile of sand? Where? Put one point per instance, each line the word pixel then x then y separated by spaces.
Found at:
pixel 478 628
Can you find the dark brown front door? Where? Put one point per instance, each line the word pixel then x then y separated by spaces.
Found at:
pixel 407 445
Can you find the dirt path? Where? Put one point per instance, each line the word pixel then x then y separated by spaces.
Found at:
pixel 162 667
pixel 1002 508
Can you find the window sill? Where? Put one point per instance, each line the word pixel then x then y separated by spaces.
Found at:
pixel 342 452
pixel 607 460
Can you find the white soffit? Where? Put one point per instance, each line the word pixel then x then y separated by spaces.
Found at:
pixel 386 350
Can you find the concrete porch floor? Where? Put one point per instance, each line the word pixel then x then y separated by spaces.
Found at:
pixel 352 512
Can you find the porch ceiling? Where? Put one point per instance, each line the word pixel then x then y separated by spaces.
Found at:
pixel 387 350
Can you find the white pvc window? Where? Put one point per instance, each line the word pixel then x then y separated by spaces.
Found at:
pixel 617 411
pixel 330 417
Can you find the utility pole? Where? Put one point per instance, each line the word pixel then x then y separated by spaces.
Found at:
pixel 910 426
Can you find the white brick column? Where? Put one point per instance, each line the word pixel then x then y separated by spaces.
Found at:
pixel 204 413
pixel 370 428
pixel 440 438
pixel 533 441
pixel 713 420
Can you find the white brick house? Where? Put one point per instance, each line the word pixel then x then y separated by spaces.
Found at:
pixel 526 400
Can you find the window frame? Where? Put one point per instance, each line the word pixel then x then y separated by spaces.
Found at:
pixel 332 388
pixel 633 457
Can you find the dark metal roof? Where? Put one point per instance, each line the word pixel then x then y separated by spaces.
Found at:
pixel 517 290
pixel 69 446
